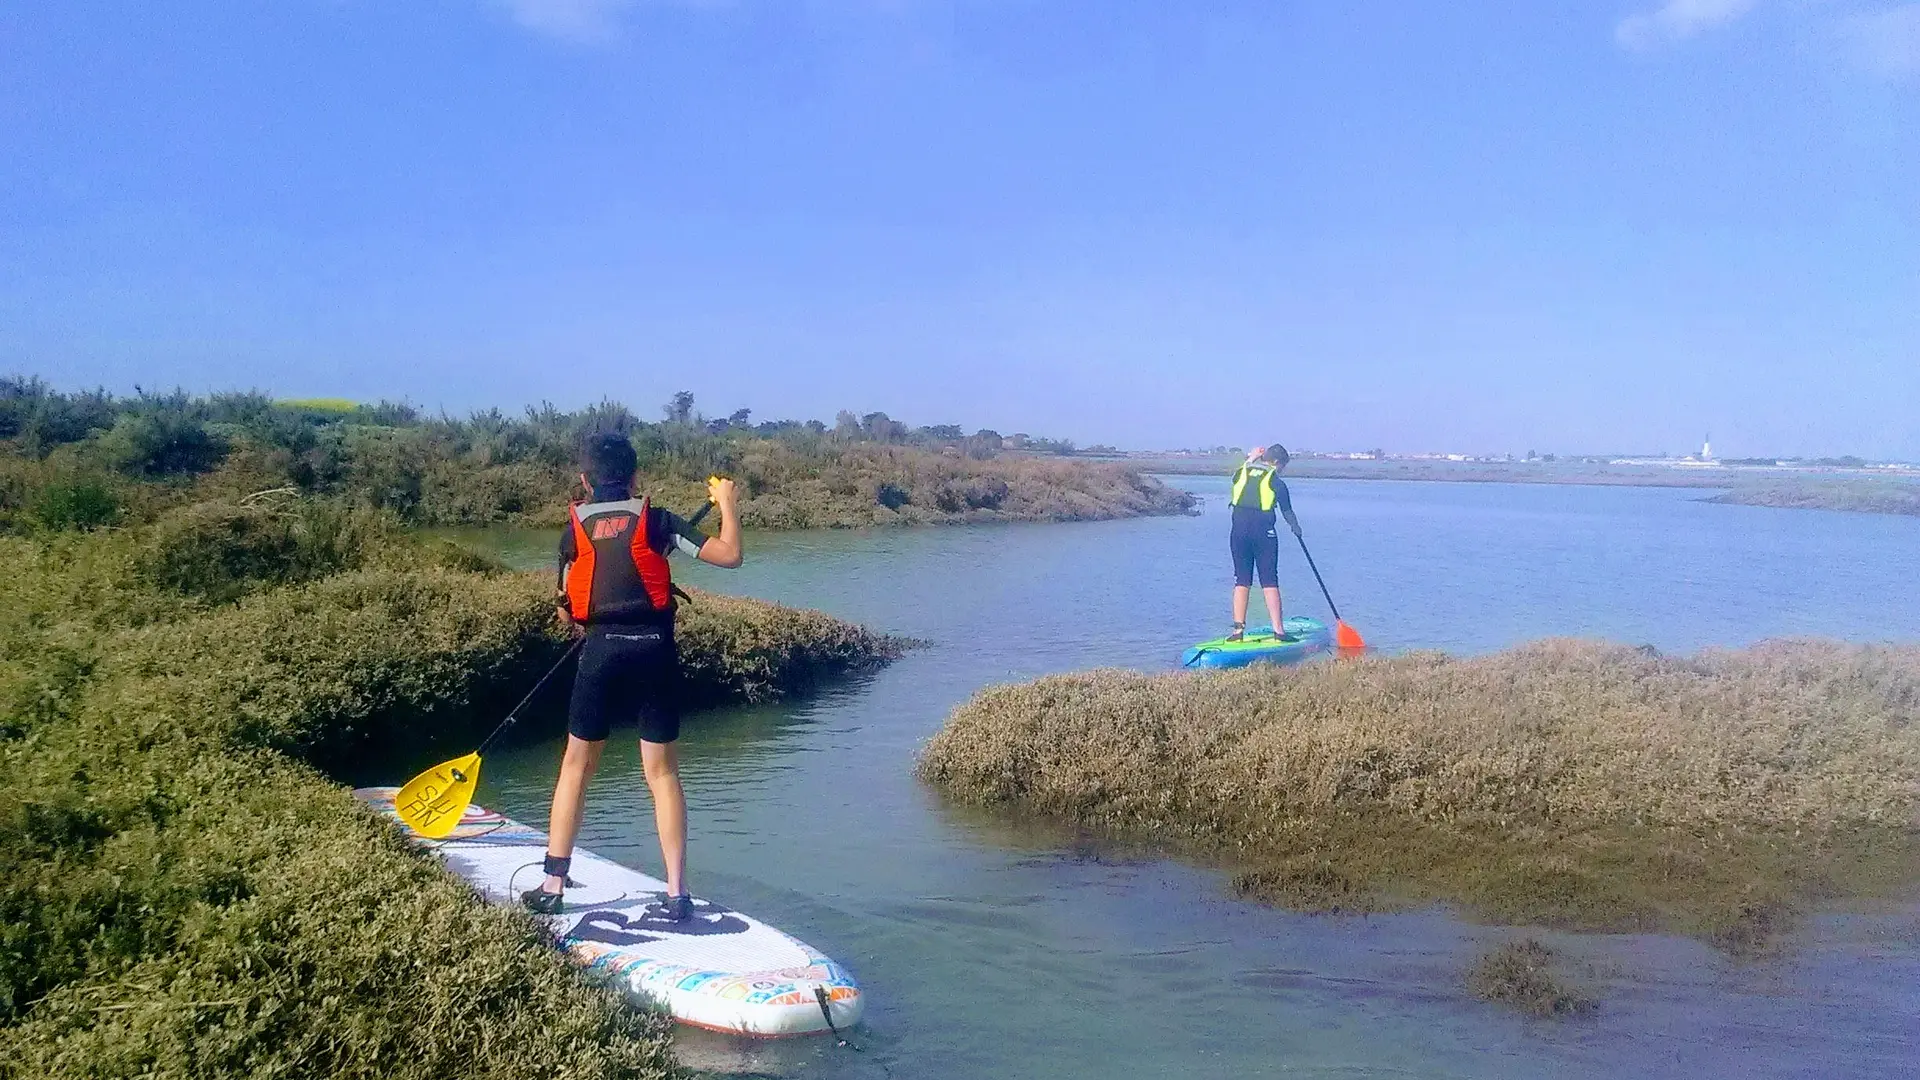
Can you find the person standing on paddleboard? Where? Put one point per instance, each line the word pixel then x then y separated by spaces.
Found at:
pixel 616 589
pixel 1257 493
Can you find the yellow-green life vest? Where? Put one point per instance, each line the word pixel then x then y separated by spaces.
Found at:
pixel 1261 478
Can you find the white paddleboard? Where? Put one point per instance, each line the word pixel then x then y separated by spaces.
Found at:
pixel 719 970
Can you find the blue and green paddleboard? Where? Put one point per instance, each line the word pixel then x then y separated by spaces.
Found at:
pixel 1304 637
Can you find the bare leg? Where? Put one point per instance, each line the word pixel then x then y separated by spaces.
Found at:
pixel 577 766
pixel 1272 597
pixel 1241 593
pixel 661 761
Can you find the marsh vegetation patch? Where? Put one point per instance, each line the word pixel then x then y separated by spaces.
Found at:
pixel 1571 784
pixel 184 892
pixel 1530 977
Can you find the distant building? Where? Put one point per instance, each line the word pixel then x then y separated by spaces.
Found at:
pixel 1702 460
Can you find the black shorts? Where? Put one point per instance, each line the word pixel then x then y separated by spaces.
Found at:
pixel 1255 545
pixel 627 673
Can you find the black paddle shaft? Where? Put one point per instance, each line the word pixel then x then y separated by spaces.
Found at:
pixel 1316 575
pixel 514 716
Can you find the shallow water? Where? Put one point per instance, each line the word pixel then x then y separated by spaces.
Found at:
pixel 992 950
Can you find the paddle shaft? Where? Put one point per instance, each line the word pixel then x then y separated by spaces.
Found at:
pixel 514 716
pixel 1317 577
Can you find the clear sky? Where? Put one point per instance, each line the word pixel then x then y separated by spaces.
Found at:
pixel 1442 224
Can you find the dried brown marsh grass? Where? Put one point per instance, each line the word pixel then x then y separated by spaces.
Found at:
pixel 1570 782
pixel 1523 976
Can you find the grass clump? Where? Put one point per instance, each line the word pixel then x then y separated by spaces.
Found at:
pixel 1523 975
pixel 1575 784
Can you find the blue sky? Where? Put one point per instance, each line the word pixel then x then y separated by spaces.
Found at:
pixel 1480 226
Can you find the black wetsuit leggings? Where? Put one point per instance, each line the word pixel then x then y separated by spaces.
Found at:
pixel 1256 545
pixel 627 673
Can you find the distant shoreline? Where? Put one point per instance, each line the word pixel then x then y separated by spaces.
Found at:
pixel 1582 472
pixel 1875 491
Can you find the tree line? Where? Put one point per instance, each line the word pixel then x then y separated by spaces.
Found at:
pixel 90 458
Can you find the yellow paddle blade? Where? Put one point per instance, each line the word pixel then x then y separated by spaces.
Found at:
pixel 431 804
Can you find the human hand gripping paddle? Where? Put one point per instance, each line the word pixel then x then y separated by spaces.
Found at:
pixel 432 803
pixel 1344 636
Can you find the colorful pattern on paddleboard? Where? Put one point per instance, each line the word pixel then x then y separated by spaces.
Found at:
pixel 1305 637
pixel 720 969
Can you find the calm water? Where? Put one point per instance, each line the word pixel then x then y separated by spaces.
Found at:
pixel 995 951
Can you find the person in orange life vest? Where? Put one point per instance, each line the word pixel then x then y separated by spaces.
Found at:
pixel 616 589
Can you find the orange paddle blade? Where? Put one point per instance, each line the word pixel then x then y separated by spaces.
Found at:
pixel 1346 637
pixel 432 803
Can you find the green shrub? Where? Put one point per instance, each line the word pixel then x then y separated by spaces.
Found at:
pixel 183 895
pixel 735 649
pixel 492 468
pixel 76 504
pixel 155 445
pixel 217 551
pixel 891 495
pixel 171 912
pixel 220 551
pixel 37 418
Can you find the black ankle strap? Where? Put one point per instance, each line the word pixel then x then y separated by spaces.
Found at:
pixel 558 865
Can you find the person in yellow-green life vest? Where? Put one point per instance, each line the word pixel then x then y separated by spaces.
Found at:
pixel 1257 494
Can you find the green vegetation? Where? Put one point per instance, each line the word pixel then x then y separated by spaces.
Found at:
pixel 734 649
pixel 1521 974
pixel 90 459
pixel 183 890
pixel 1870 496
pixel 1572 784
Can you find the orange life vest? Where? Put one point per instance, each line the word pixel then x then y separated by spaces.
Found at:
pixel 615 574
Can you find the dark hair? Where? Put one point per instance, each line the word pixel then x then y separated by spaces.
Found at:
pixel 608 459
pixel 1277 454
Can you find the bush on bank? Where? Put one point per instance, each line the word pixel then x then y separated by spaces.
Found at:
pixel 735 649
pixel 90 460
pixel 1571 782
pixel 183 893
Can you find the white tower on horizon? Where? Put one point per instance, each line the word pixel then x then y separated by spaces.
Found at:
pixel 1706 447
